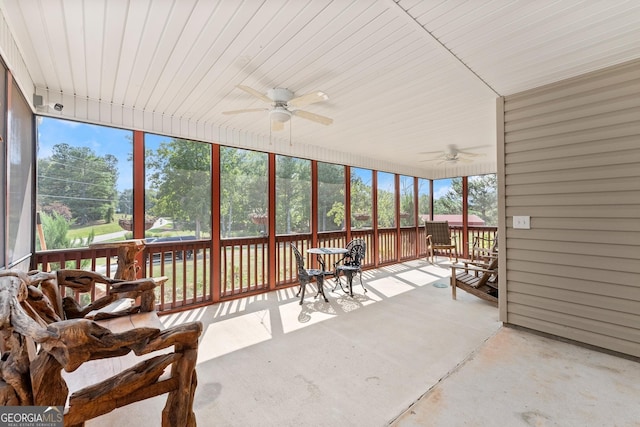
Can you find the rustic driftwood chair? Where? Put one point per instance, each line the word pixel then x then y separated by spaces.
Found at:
pixel 43 334
pixel 351 264
pixel 305 275
pixel 478 279
pixel 439 237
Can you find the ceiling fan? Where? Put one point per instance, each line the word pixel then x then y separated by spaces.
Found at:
pixel 285 104
pixel 453 155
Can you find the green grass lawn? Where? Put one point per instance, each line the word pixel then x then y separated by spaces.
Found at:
pixel 82 232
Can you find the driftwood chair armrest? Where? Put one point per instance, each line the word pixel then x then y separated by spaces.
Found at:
pixel 82 280
pixel 138 286
pixel 183 336
pixel 85 281
pixel 142 288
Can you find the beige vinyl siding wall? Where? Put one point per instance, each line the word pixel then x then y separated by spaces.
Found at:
pixel 572 163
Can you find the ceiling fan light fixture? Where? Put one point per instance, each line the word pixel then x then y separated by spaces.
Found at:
pixel 280 115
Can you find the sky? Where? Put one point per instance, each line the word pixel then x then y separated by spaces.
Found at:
pixel 101 139
pixel 107 140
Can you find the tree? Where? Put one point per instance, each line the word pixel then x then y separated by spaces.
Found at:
pixel 330 196
pixel 59 208
pixel 406 201
pixel 424 200
pixel 386 209
pixel 55 228
pixel 243 192
pixel 125 202
pixel 79 179
pixel 451 202
pixel 181 175
pixel 361 200
pixel 482 198
pixel 386 200
pixel 293 195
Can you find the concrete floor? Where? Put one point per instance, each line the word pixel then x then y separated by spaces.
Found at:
pixel 402 354
pixel 518 378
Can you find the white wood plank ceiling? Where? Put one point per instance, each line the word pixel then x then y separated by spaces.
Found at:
pixel 403 77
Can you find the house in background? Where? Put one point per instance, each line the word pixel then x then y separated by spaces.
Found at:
pixel 456 220
pixel 547 97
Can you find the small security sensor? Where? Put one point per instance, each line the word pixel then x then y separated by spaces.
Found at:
pixel 58 107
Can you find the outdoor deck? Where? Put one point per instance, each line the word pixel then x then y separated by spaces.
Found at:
pixel 264 360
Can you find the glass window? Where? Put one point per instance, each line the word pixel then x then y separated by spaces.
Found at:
pixel 386 200
pixel 178 187
pixel 3 164
pixel 85 176
pixel 407 211
pixel 293 195
pixel 483 200
pixel 423 200
pixel 447 201
pixel 19 157
pixel 361 198
pixel 330 197
pixel 243 193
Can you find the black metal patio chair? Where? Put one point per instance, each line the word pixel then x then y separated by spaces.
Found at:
pixel 351 264
pixel 305 275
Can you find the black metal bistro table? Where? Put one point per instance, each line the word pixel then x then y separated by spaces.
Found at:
pixel 321 253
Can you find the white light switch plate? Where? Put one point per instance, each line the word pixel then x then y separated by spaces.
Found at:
pixel 522 222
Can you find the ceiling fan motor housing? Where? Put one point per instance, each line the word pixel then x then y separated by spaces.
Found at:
pixel 280 95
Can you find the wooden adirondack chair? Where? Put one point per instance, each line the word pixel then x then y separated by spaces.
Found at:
pixel 468 278
pixel 483 248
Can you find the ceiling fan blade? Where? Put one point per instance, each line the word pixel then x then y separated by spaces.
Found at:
pixel 277 126
pixel 466 153
pixel 255 93
pixel 247 110
pixel 468 150
pixel 312 116
pixel 309 98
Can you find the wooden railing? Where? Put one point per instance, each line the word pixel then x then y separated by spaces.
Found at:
pixel 187 265
pixel 409 244
pixel 244 262
pixel 487 233
pixel 244 266
pixel 368 236
pixel 387 246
